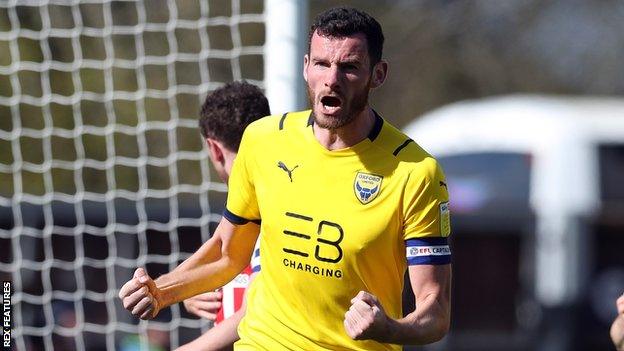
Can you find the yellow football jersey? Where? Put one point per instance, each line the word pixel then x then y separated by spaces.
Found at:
pixel 333 223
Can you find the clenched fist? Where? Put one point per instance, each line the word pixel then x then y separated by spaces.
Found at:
pixel 366 318
pixel 140 295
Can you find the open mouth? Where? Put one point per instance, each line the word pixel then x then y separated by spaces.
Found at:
pixel 330 102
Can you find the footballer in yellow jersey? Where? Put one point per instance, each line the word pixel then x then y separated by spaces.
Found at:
pixel 333 223
pixel 346 203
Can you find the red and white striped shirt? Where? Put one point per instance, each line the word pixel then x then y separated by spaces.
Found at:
pixel 234 291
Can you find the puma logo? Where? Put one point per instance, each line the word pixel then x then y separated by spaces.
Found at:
pixel 282 166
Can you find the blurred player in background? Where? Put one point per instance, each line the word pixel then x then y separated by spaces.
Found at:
pixel 225 114
pixel 346 203
pixel 617 328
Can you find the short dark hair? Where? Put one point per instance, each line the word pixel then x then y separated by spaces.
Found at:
pixel 228 110
pixel 340 22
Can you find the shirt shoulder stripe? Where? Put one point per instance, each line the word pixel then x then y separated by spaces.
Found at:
pixel 281 122
pixel 402 146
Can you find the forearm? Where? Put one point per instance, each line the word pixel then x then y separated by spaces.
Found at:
pixel 428 323
pixel 223 335
pixel 215 263
pixel 188 280
pixel 220 337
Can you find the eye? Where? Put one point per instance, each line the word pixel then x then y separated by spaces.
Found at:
pixel 349 67
pixel 321 64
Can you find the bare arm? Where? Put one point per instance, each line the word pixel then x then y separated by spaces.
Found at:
pixel 428 323
pixel 216 262
pixel 432 317
pixel 223 335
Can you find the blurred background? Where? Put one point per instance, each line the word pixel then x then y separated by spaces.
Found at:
pixel 102 168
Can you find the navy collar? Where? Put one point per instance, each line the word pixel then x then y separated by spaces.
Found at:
pixel 374 133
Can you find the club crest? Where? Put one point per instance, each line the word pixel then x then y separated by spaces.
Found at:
pixel 367 186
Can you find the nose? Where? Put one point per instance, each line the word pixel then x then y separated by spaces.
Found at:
pixel 332 78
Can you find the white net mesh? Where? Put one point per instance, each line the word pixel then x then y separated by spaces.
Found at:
pixel 102 168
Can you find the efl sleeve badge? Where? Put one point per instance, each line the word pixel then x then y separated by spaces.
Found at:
pixel 445 219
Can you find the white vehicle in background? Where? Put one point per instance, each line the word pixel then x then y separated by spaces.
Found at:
pixel 537 200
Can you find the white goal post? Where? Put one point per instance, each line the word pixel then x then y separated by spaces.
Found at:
pixel 102 168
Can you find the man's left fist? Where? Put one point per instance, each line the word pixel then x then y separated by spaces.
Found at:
pixel 366 318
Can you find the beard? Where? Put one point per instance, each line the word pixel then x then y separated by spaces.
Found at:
pixel 350 110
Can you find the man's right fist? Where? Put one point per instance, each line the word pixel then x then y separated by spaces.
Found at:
pixel 140 295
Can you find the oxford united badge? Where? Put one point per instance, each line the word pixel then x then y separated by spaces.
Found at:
pixel 367 186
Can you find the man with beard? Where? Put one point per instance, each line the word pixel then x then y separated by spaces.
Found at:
pixel 346 203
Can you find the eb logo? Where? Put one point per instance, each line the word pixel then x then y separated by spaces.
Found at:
pixel 328 239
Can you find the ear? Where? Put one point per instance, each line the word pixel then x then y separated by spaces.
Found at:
pixel 306 62
pixel 380 72
pixel 216 150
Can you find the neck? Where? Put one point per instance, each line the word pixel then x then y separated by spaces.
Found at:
pixel 348 135
pixel 228 161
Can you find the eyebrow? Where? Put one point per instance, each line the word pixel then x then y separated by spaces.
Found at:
pixel 349 60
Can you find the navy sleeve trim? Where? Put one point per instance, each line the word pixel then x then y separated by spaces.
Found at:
pixel 427 241
pixel 236 219
pixel 405 143
pixel 281 123
pixel 435 260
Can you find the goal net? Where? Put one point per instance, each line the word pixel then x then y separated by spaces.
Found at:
pixel 102 168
